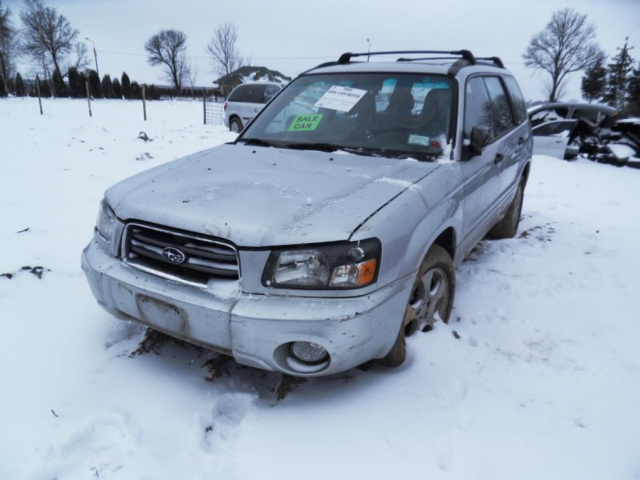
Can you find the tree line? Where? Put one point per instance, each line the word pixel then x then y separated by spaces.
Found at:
pixel 567 45
pixel 49 40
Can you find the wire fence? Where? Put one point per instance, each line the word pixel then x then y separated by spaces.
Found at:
pixel 213 111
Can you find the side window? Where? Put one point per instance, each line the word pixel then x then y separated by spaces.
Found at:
pixel 500 108
pixel 557 128
pixel 254 94
pixel 477 106
pixel 517 100
pixel 236 95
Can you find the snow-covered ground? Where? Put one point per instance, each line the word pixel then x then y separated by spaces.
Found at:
pixel 536 377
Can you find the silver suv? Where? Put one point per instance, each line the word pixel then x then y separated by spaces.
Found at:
pixel 331 228
pixel 245 101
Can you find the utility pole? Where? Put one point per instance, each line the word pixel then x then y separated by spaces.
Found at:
pixel 95 55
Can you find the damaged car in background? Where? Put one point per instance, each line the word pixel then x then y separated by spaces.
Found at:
pixel 330 229
pixel 598 132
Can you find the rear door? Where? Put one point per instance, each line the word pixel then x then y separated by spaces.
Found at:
pixel 481 172
pixel 520 140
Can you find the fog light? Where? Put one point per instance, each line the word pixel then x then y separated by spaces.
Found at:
pixel 309 352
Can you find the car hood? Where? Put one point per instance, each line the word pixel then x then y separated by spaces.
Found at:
pixel 260 197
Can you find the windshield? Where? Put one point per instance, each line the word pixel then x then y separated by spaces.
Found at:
pixel 395 115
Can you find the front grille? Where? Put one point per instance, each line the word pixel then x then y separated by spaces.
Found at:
pixel 179 255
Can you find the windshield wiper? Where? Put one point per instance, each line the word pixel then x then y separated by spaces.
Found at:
pixel 322 147
pixel 255 141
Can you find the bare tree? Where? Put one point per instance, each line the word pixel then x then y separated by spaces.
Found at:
pixel 191 77
pixel 8 46
pixel 81 61
pixel 225 56
pixel 566 45
pixel 47 36
pixel 168 48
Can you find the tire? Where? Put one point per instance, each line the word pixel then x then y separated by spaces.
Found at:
pixel 235 125
pixel 508 226
pixel 431 300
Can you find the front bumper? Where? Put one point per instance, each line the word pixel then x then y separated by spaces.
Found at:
pixel 255 329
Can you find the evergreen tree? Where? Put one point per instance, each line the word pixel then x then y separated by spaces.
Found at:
pixel 59 87
pixel 136 91
pixel 618 76
pixel 117 89
pixel 45 89
pixel 74 83
pixel 3 88
pixel 634 93
pixel 152 93
pixel 94 84
pixel 21 91
pixel 126 86
pixel 594 82
pixel 82 85
pixel 107 87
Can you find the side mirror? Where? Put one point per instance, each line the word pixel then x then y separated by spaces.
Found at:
pixel 479 139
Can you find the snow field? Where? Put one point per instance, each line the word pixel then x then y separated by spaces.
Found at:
pixel 536 376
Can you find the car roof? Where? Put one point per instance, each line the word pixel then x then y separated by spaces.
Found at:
pixel 436 62
pixel 438 68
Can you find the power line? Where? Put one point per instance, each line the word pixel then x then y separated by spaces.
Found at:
pixel 202 57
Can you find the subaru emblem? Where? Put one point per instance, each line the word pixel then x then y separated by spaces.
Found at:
pixel 173 255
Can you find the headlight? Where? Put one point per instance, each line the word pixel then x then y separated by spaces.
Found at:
pixel 333 266
pixel 106 221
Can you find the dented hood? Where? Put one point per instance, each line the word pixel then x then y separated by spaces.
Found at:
pixel 261 197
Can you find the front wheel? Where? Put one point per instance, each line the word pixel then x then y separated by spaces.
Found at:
pixel 431 300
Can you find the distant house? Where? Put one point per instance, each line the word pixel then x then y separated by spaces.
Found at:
pixel 248 74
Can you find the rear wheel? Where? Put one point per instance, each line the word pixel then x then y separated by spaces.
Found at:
pixel 431 300
pixel 235 125
pixel 508 226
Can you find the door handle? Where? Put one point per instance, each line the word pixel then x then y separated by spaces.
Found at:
pixel 521 140
pixel 498 158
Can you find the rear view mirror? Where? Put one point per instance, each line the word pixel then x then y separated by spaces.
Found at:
pixel 479 139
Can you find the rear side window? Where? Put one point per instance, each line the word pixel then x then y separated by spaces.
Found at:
pixel 517 100
pixel 477 106
pixel 500 107
pixel 593 115
pixel 236 95
pixel 254 94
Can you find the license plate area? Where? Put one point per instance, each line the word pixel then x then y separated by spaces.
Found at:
pixel 161 314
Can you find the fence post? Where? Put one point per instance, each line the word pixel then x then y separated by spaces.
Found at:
pixel 88 97
pixel 144 101
pixel 204 105
pixel 38 90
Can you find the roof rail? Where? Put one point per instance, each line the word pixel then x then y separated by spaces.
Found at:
pixel 495 60
pixel 465 54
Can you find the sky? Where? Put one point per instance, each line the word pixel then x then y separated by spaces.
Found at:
pixel 293 36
